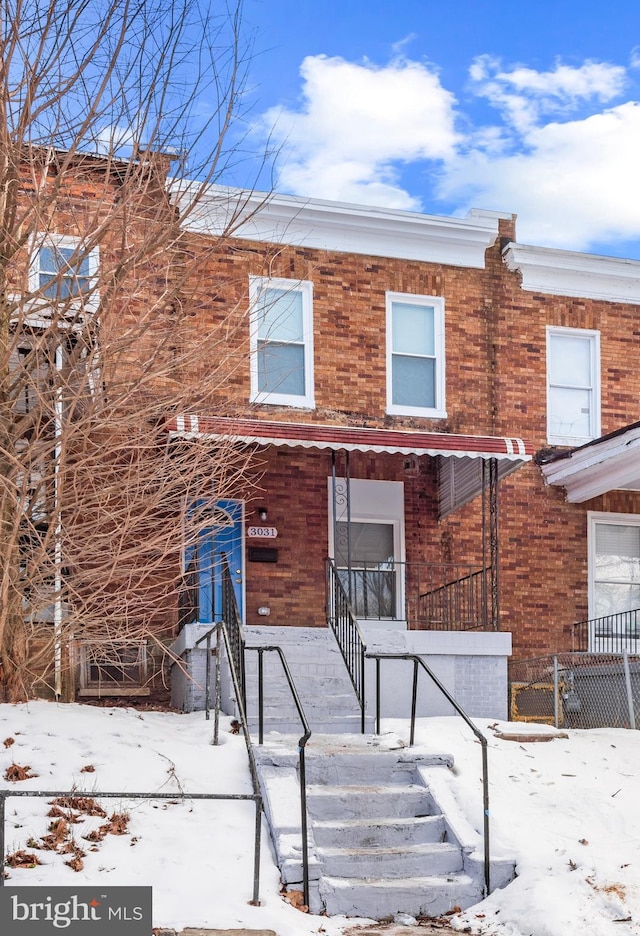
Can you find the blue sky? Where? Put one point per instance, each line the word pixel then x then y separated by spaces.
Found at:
pixel 527 108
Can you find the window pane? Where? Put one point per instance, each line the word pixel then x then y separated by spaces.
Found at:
pixel 74 279
pixel 372 592
pixel 370 543
pixel 617 554
pixel 570 413
pixel 413 329
pixel 413 381
pixel 570 361
pixel 281 368
pixel 614 599
pixel 280 315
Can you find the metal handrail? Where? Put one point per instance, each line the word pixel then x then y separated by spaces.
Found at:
pixel 301 751
pixel 124 795
pixel 418 661
pixel 343 622
pixel 220 627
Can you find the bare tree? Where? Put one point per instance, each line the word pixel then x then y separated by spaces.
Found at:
pixel 101 335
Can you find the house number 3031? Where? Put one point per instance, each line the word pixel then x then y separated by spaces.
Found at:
pixel 262 532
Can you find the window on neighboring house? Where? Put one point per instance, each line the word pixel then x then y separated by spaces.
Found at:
pixel 415 355
pixel 281 342
pixel 573 385
pixel 614 581
pixel 113 668
pixel 64 272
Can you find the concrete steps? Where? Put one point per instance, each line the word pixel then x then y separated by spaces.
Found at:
pixel 378 842
pixel 320 678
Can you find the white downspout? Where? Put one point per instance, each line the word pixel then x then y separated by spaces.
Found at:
pixel 57 610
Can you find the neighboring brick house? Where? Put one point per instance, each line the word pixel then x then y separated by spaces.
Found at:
pixel 376 342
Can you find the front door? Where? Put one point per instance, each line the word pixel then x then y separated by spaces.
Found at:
pixel 224 537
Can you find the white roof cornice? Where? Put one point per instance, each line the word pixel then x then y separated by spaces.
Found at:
pixel 607 464
pixel 568 273
pixel 338 226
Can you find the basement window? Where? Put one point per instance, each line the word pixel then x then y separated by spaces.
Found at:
pixel 113 668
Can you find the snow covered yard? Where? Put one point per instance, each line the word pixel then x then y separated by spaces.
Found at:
pixel 567 810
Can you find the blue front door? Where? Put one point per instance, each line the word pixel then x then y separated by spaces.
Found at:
pixel 223 537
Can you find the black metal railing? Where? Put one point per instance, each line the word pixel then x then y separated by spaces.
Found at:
pixel 344 624
pixel 188 596
pixel 123 795
pixel 418 662
pixel 459 604
pixel 233 626
pixel 612 633
pixel 301 751
pixel 427 595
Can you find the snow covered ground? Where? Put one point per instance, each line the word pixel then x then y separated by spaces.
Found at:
pixel 568 810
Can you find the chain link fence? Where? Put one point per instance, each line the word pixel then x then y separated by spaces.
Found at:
pixel 577 690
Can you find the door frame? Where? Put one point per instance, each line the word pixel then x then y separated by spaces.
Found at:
pixel 374 502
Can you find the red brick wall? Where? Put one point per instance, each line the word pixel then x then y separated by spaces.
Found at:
pixel 496 384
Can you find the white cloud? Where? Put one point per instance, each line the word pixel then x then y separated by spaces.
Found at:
pixel 560 153
pixel 523 94
pixel 572 184
pixel 356 123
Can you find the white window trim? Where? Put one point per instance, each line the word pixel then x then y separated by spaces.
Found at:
pixel 375 502
pixel 594 337
pixel 438 411
pixel 593 518
pixel 305 288
pixel 91 302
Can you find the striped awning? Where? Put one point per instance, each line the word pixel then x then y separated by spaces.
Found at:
pixel 350 438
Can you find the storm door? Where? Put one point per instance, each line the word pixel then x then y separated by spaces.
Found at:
pixel 366 541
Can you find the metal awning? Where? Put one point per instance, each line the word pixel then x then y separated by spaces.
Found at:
pixel 460 457
pixel 350 438
pixel 610 463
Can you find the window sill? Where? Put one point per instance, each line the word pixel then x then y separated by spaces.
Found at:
pixel 416 411
pixel 99 692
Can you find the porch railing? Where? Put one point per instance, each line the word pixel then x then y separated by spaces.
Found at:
pixel 344 624
pixel 612 633
pixel 428 596
pixel 188 596
pixel 459 604
pixel 233 625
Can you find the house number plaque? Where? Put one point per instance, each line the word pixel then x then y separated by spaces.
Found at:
pixel 260 532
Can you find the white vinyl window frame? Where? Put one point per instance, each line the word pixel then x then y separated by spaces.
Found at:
pixel 601 642
pixel 437 354
pixel 78 300
pixel 591 387
pixel 258 286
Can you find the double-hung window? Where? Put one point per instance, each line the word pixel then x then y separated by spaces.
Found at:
pixel 281 342
pixel 63 272
pixel 415 355
pixel 573 385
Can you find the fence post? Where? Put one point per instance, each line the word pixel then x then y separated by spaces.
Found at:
pixel 555 692
pixel 627 679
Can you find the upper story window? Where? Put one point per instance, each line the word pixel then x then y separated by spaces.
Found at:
pixel 64 272
pixel 573 385
pixel 281 342
pixel 415 355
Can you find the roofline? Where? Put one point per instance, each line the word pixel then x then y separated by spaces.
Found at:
pixel 342 226
pixel 570 273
